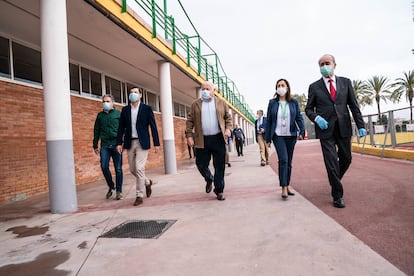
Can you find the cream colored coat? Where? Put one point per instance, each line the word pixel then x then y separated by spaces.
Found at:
pixel 193 123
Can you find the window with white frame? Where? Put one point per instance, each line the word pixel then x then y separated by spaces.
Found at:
pixel 113 87
pixel 4 58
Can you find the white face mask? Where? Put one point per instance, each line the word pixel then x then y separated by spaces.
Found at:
pixel 281 91
pixel 205 95
pixel 107 106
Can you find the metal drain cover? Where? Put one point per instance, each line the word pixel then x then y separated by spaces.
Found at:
pixel 139 229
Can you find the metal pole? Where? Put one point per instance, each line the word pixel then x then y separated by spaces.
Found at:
pixel 391 127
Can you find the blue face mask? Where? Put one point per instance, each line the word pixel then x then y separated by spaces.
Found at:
pixel 107 106
pixel 133 97
pixel 326 70
pixel 205 95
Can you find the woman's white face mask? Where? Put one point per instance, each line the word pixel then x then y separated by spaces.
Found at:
pixel 281 91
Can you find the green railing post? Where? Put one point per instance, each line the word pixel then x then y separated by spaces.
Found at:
pixel 187 44
pixel 154 19
pixel 174 39
pixel 124 6
pixel 205 67
pixel 165 20
pixel 217 70
pixel 199 56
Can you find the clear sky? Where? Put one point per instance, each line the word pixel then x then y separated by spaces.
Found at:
pixel 260 41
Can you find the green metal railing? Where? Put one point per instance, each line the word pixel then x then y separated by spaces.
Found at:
pixel 190 47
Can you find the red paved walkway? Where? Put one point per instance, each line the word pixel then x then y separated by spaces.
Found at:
pixel 379 197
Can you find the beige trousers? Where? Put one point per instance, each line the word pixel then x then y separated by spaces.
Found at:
pixel 137 158
pixel 264 149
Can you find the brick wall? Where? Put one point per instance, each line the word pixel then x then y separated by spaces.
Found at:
pixel 23 163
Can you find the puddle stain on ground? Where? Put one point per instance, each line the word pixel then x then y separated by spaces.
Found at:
pixel 44 264
pixel 82 245
pixel 24 231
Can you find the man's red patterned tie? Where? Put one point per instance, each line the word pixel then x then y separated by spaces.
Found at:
pixel 332 90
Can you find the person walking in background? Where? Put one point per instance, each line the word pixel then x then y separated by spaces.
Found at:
pixel 329 101
pixel 260 124
pixel 239 137
pixel 105 130
pixel 133 135
pixel 211 123
pixel 284 121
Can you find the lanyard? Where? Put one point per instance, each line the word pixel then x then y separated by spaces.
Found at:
pixel 283 107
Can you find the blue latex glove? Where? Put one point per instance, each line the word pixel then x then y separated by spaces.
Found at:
pixel 321 122
pixel 362 132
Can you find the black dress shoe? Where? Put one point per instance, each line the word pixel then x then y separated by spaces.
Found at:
pixel 209 186
pixel 339 203
pixel 220 197
pixel 148 189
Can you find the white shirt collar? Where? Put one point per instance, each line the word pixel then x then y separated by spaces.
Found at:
pixel 326 79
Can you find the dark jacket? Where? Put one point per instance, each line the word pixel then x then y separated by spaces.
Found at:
pixel 321 103
pixel 238 134
pixel 263 125
pixel 106 128
pixel 296 119
pixel 145 121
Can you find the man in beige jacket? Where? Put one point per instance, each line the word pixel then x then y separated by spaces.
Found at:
pixel 211 123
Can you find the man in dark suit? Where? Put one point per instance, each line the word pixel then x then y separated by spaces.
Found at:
pixel 260 125
pixel 238 135
pixel 329 101
pixel 133 134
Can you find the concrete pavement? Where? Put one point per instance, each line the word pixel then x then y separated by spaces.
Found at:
pixel 252 232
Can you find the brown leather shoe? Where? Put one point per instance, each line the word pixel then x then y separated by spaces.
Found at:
pixel 148 189
pixel 138 201
pixel 109 193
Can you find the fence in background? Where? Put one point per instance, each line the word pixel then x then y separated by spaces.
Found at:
pixel 393 129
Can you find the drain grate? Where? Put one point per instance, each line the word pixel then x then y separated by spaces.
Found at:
pixel 139 229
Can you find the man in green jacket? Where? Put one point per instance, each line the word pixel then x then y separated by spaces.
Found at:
pixel 106 129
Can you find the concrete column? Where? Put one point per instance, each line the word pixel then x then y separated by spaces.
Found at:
pixel 58 116
pixel 170 161
pixel 235 119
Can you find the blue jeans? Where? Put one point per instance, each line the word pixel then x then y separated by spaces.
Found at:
pixel 285 146
pixel 106 153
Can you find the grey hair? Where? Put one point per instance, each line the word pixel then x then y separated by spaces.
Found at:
pixel 333 58
pixel 108 96
pixel 212 85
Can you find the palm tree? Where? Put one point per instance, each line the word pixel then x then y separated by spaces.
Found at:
pixel 379 88
pixel 405 86
pixel 361 93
